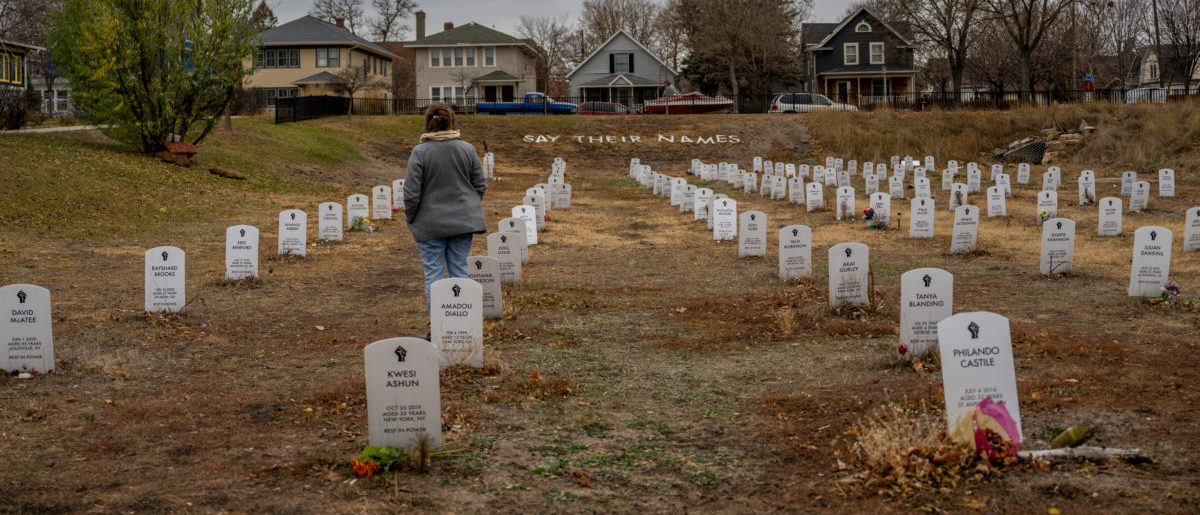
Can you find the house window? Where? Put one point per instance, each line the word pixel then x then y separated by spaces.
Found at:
pixel 273 94
pixel 878 87
pixel 435 94
pixel 850 54
pixel 862 27
pixel 329 57
pixel 489 56
pixel 447 54
pixel 621 63
pixel 4 67
pixel 278 58
pixel 877 53
pixel 435 57
pixel 470 53
pixel 458 57
pixel 1153 69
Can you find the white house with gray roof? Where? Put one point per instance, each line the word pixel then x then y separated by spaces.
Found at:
pixel 622 70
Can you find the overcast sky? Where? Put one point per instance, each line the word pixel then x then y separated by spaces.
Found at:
pixel 503 15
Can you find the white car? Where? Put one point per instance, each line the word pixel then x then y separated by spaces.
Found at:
pixel 805 103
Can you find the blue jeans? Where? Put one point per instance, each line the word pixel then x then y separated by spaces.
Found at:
pixel 441 255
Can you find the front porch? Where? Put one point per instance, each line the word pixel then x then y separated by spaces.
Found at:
pixel 864 89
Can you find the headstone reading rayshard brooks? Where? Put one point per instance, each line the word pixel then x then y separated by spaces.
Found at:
pixel 505 248
pixel 529 214
pixel 404 403
pixel 926 298
pixel 485 270
pixel 725 219
pixel 795 252
pixel 165 280
pixel 1140 198
pixel 1191 230
pixel 995 202
pixel 1151 261
pixel 516 226
pixel 1110 217
pixel 1166 182
pixel 329 221
pixel 293 233
pixel 920 218
pixel 1058 246
pixel 456 321
pixel 977 363
pixel 845 203
pixel 381 208
pixel 398 194
pixel 358 207
pixel 241 252
pixel 25 329
pixel 1127 180
pixel 966 230
pixel 752 234
pixel 814 198
pixel 849 269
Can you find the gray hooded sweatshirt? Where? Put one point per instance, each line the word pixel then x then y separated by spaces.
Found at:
pixel 443 190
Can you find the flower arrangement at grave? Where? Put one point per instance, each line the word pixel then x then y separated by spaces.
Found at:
pixel 872 221
pixel 1042 216
pixel 1170 297
pixel 362 223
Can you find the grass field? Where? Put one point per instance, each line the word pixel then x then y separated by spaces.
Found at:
pixel 670 374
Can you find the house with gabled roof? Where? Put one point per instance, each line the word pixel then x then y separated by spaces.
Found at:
pixel 859 59
pixel 14 58
pixel 309 56
pixel 622 70
pixel 469 63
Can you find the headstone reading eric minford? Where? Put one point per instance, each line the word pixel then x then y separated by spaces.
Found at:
pixel 241 252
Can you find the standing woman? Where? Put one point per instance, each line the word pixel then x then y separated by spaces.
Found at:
pixel 443 197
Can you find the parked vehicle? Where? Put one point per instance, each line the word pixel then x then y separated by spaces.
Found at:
pixel 532 103
pixel 806 103
pixel 1146 95
pixel 603 108
pixel 688 103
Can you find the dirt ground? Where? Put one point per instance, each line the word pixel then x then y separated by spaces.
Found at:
pixel 671 375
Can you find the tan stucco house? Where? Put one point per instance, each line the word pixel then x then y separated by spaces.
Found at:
pixel 469 63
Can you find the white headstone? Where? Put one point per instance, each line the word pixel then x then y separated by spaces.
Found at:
pixel 997 169
pixel 561 196
pixel 1087 187
pixel 1191 230
pixel 1055 177
pixel 779 191
pixel 1110 217
pixel 516 226
pixel 489 166
pixel 926 298
pixel 921 187
pixel 293 233
pixel 952 165
pixel 871 183
pixel 1004 181
pixel 849 270
pixel 26 329
pixel 947 179
pixel 896 186
pixel 752 234
pixel 1058 246
pixel 958 196
pixel 329 221
pixel 1151 261
pixel 527 213
pixel 701 203
pixel 398 194
pixel 974 180
pixel 750 182
pixel 795 252
pixel 1140 198
pixel 843 179
pixel 758 164
pixel 1047 205
pixel 1048 181
pixel 165 280
pixel 725 219
pixel 456 321
pixel 996 203
pixel 485 270
pixel 1127 180
pixel 920 218
pixel 1023 173
pixel 241 252
pixel 977 363
pixel 687 203
pixel 845 203
pixel 505 248
pixel 796 190
pixel 930 163
pixel 357 207
pixel 711 206
pixel 382 206
pixel 882 204
pixel 966 229
pixel 677 186
pixel 815 197
pixel 1166 182
pixel 404 404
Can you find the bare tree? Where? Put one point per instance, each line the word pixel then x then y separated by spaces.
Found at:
pixel 948 24
pixel 1125 34
pixel 601 19
pixel 672 32
pixel 1026 23
pixel 330 10
pixel 353 79
pixel 993 59
pixel 390 24
pixel 551 36
pixel 1180 22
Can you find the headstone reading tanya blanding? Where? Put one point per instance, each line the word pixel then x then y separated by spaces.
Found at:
pixel 926 298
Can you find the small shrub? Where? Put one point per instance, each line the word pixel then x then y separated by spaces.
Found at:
pixel 16 105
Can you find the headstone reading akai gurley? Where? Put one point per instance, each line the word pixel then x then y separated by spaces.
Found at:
pixel 920 218
pixel 456 321
pixel 485 270
pixel 725 219
pixel 1151 261
pixel 849 269
pixel 329 221
pixel 504 247
pixel 404 404
pixel 977 363
pixel 358 207
pixel 382 206
pixel 25 329
pixel 293 233
pixel 926 298
pixel 1110 217
pixel 241 252
pixel 165 280
pixel 966 230
pixel 1058 246
pixel 795 252
pixel 752 234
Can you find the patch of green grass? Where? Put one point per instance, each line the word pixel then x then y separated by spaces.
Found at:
pixel 661 427
pixel 552 467
pixel 555 494
pixel 559 450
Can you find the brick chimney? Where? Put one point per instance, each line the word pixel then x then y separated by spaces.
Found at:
pixel 420 24
pixel 341 22
pixel 447 26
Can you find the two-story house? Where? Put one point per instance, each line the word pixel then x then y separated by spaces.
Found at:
pixel 859 60
pixel 1167 71
pixel 309 56
pixel 469 63
pixel 14 69
pixel 621 70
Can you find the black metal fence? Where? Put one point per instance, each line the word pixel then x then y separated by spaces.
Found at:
pixel 307 108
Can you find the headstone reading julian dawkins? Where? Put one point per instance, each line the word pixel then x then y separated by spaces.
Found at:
pixel 404 402
pixel 26 332
pixel 926 298
pixel 456 321
pixel 1151 261
pixel 977 363
pixel 241 252
pixel 165 280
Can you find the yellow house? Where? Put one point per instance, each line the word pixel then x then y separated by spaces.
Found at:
pixel 13 57
pixel 309 56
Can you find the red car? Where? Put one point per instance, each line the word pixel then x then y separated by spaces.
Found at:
pixel 603 108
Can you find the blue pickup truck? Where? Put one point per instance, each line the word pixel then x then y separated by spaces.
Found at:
pixel 533 103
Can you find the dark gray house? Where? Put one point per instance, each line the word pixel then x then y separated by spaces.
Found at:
pixel 622 70
pixel 860 60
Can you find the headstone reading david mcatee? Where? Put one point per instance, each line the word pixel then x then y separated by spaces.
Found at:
pixel 505 248
pixel 25 329
pixel 456 321
pixel 849 271
pixel 1151 261
pixel 926 298
pixel 404 404
pixel 329 221
pixel 1110 217
pixel 1058 246
pixel 358 207
pixel 1191 230
pixel 241 252
pixel 293 233
pixel 752 234
pixel 795 252
pixel 977 363
pixel 966 230
pixel 920 218
pixel 381 207
pixel 725 219
pixel 485 270
pixel 165 280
